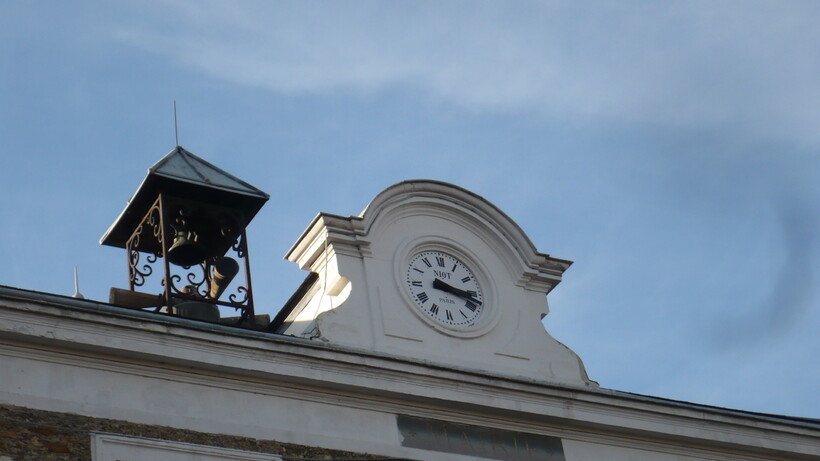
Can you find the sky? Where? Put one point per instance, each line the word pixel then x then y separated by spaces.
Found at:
pixel 670 149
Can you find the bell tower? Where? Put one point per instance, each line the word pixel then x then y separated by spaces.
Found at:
pixel 184 236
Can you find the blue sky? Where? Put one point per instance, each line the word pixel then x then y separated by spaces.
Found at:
pixel 670 149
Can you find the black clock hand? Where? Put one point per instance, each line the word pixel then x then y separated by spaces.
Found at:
pixel 444 286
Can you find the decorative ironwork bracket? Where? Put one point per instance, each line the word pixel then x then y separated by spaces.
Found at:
pixel 218 232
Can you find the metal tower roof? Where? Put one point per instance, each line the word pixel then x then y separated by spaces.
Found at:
pixel 184 174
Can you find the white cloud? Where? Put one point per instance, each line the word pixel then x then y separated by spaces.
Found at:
pixel 750 67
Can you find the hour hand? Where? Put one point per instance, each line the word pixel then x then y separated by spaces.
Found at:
pixel 444 286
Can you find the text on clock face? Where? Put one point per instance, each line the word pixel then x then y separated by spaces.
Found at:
pixel 444 288
pixel 442 274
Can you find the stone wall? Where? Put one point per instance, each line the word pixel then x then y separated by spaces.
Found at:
pixel 36 435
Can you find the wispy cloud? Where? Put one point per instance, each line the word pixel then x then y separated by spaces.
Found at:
pixel 751 68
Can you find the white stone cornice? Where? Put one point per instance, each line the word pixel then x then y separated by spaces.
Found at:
pixel 328 233
pixel 150 346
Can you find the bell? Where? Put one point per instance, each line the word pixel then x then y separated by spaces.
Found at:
pixel 225 269
pixel 185 252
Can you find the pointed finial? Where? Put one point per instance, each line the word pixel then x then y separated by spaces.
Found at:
pixel 77 293
pixel 176 130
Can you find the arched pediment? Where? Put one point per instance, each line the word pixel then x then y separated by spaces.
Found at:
pixel 433 272
pixel 537 271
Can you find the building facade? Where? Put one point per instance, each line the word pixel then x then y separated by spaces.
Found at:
pixel 417 335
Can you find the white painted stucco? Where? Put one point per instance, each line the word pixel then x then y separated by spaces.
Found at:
pixel 362 301
pixel 73 356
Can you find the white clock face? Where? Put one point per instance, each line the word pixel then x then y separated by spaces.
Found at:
pixel 444 289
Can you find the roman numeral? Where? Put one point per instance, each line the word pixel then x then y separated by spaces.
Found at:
pixel 434 309
pixel 422 297
pixel 440 261
pixel 426 261
pixel 449 315
pixel 470 305
pixel 416 284
pixel 463 314
pixel 472 293
pixel 454 267
pixel 465 279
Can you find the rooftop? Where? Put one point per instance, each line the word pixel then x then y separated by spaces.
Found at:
pixel 69 307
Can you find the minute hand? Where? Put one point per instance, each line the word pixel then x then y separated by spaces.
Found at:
pixel 444 286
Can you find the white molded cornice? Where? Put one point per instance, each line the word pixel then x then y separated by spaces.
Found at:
pixel 329 233
pixel 93 335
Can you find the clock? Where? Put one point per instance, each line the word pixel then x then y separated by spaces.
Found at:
pixel 444 290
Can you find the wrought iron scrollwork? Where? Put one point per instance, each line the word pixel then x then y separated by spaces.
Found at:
pixel 137 271
pixel 155 222
pixel 172 280
pixel 200 287
pixel 220 233
pixel 240 290
pixel 240 247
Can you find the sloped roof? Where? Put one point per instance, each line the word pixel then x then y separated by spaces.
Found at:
pixel 187 176
pixel 182 165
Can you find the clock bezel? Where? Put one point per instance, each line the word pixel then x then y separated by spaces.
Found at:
pixel 485 321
